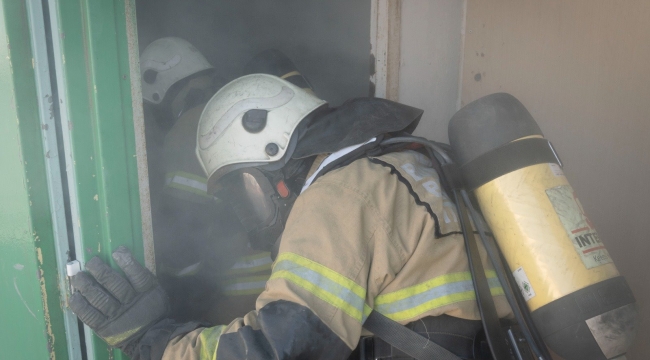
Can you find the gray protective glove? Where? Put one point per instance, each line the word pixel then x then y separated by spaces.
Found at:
pixel 120 311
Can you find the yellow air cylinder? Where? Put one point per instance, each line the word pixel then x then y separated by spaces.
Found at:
pixel 580 304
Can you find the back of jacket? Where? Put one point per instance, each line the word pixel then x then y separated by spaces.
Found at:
pixel 378 234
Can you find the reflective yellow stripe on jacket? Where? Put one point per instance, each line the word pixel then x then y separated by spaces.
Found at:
pixel 252 264
pixel 326 284
pixel 209 340
pixel 349 297
pixel 443 290
pixel 249 275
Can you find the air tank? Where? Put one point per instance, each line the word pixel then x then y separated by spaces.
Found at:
pixel 581 305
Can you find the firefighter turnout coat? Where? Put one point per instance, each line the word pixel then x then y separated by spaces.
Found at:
pixel 378 234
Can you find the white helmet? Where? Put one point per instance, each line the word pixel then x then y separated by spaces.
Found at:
pixel 250 122
pixel 166 61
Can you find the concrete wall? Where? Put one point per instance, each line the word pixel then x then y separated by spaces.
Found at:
pixel 582 68
pixel 430 61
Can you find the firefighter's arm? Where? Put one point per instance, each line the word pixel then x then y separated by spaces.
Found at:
pixel 280 330
pixel 131 313
pixel 339 250
pixel 335 257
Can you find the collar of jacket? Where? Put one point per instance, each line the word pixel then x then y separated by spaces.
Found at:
pixel 355 122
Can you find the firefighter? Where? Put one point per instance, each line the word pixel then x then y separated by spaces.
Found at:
pixel 205 260
pixel 358 229
pixel 177 80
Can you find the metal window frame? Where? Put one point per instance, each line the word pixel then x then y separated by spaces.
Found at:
pixel 52 167
pixel 30 297
pixel 385 32
pixel 94 45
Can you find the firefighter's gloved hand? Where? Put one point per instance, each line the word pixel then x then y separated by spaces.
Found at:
pixel 119 310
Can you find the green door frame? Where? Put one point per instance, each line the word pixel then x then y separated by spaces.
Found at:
pixel 30 300
pixel 95 55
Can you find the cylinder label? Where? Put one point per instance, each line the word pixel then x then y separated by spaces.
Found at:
pixel 556 170
pixel 578 227
pixel 524 284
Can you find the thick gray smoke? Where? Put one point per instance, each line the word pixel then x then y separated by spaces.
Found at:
pixel 329 42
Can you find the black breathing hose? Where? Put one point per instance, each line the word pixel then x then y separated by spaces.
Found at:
pixel 529 330
pixel 439 151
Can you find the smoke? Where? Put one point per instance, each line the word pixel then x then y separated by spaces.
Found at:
pixel 330 44
pixel 328 40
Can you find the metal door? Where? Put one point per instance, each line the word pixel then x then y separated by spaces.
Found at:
pixel 66 67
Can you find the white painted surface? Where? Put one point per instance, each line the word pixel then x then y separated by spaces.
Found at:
pixel 430 61
pixel 385 27
pixel 140 139
pixel 581 69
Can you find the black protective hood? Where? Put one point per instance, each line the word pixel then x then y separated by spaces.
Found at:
pixel 354 122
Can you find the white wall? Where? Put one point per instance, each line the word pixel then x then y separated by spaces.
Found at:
pixel 431 45
pixel 582 68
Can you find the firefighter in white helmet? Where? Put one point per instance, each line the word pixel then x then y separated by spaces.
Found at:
pixel 361 230
pixel 205 261
pixel 192 231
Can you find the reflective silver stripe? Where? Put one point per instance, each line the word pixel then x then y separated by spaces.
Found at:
pixel 192 269
pixel 251 263
pixel 195 184
pixel 246 286
pixel 324 283
pixel 440 291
